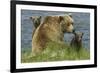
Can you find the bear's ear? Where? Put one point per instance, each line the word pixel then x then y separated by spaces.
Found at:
pixel 32 17
pixel 70 15
pixel 75 33
pixel 40 17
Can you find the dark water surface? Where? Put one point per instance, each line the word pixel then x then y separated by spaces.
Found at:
pixel 81 24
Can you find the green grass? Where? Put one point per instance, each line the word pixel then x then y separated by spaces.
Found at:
pixel 55 52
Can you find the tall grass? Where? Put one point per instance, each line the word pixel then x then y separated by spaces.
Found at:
pixel 55 52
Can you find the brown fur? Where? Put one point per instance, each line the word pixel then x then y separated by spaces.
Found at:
pixel 52 29
pixel 76 42
pixel 36 20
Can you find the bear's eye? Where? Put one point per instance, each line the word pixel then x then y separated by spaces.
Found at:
pixel 68 25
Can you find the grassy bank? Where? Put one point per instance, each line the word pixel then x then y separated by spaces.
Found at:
pixel 55 52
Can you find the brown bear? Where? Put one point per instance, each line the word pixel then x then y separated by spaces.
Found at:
pixel 36 20
pixel 76 42
pixel 51 29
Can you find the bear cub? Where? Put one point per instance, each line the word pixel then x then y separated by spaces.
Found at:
pixel 76 41
pixel 36 20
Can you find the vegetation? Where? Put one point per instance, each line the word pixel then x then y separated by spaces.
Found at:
pixel 55 52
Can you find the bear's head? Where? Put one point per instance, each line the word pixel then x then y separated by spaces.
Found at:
pixel 67 23
pixel 78 36
pixel 36 20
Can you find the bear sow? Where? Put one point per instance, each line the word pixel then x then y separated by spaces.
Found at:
pixel 52 28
